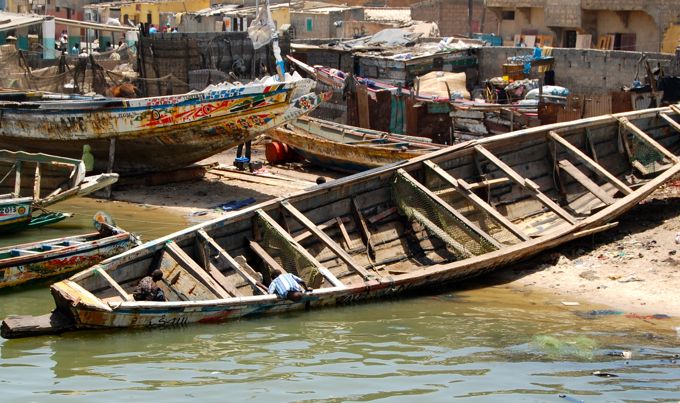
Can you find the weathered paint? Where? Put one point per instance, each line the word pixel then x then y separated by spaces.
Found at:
pixel 59 261
pixel 152 132
pixel 90 311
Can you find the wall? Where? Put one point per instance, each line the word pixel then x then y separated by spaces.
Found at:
pixel 585 71
pixel 356 29
pixel 640 23
pixel 452 16
pixel 138 11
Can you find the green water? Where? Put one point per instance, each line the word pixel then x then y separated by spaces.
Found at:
pixel 472 343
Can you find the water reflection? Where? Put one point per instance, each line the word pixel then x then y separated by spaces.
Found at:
pixel 435 347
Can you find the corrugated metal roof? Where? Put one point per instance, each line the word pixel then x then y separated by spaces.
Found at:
pixel 391 14
pixel 10 21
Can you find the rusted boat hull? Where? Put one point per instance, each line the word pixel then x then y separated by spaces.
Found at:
pixel 154 134
pixel 438 218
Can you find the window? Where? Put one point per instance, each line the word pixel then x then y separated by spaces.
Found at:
pixel 309 25
pixel 508 14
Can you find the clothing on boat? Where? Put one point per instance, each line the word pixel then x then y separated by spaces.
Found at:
pixel 285 283
pixel 147 290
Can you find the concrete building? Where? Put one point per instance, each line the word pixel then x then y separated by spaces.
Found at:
pixel 635 25
pixel 452 16
pixel 323 22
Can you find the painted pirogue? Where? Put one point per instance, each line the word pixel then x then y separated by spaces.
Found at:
pixel 152 134
pixel 348 148
pixel 441 217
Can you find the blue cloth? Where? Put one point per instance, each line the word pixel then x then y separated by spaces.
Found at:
pixel 284 284
pixel 236 204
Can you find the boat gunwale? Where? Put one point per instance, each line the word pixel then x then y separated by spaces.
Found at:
pixel 590 224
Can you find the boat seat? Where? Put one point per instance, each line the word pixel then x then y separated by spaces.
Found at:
pixel 70 243
pixel 22 252
pixel 48 246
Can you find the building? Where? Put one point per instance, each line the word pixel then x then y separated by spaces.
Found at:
pixel 635 25
pixel 323 22
pixel 452 16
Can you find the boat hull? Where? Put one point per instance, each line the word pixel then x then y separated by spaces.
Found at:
pixel 155 134
pixel 15 214
pixel 21 270
pixel 413 225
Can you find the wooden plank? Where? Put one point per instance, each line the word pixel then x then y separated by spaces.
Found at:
pixel 527 184
pixel 594 166
pixel 14 326
pixel 585 181
pixel 364 233
pixel 17 178
pixel 647 139
pixel 441 234
pixel 214 272
pixel 116 287
pixel 230 261
pixel 464 189
pixel 195 270
pixel 266 257
pixel 343 231
pixel 324 271
pixel 670 121
pixel 328 241
pixel 36 182
pixel 307 233
pixel 469 227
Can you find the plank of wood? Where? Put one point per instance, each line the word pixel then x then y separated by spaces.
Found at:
pixel 241 260
pixel 266 257
pixel 647 139
pixel 304 234
pixel 343 231
pixel 469 227
pixel 269 179
pixel 670 121
pixel 464 189
pixel 527 184
pixel 211 269
pixel 675 109
pixel 381 215
pixel 116 287
pixel 328 241
pixel 324 271
pixel 14 327
pixel 594 166
pixel 230 261
pixel 17 178
pixel 585 181
pixel 196 270
pixel 36 182
pixel 364 233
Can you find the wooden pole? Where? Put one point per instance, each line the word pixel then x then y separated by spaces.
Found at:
pixel 109 168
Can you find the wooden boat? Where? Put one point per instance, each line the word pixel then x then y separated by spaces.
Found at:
pixel 21 264
pixel 447 215
pixel 132 136
pixel 349 148
pixel 32 182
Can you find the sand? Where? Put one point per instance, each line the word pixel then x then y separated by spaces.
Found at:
pixel 634 267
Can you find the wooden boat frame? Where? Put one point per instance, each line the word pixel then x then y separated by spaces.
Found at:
pixel 348 148
pixel 336 236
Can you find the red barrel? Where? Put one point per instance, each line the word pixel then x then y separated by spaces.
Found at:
pixel 277 152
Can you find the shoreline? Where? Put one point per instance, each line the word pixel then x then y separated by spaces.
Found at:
pixel 633 267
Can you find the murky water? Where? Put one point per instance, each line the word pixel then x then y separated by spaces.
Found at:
pixel 488 344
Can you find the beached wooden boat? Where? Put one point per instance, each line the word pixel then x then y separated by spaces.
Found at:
pixel 34 181
pixel 438 218
pixel 348 148
pixel 24 263
pixel 132 136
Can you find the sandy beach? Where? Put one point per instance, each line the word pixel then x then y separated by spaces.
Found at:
pixel 634 267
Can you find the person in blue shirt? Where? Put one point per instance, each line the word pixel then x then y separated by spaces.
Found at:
pixel 152 29
pixel 287 286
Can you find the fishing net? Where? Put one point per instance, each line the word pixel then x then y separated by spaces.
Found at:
pixel 469 210
pixel 412 202
pixel 642 152
pixel 286 252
